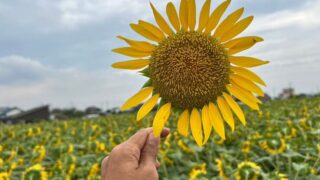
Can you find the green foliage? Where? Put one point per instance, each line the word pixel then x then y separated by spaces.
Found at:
pixel 282 140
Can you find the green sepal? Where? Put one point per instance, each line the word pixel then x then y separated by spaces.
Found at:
pixel 147 84
pixel 162 102
pixel 145 72
pixel 177 110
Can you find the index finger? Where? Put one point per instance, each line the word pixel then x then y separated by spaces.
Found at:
pixel 140 138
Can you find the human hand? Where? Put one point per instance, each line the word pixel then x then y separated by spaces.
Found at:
pixel 134 158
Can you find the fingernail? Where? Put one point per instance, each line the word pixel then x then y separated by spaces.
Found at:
pixel 152 140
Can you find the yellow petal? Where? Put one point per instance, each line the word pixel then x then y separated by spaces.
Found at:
pixel 247 62
pixel 183 123
pixel 235 91
pixel 226 112
pixel 247 93
pixel 204 15
pixel 235 107
pixel 216 120
pixel 161 118
pixel 139 45
pixel 192 14
pixel 132 64
pixel 236 29
pixel 147 107
pixel 207 126
pixel 131 52
pixel 242 45
pixel 173 16
pixel 216 16
pixel 153 29
pixel 246 40
pixel 183 14
pixel 246 84
pixel 248 74
pixel 226 24
pixel 160 21
pixel 196 127
pixel 144 32
pixel 137 98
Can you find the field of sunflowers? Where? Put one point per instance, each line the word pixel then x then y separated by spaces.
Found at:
pixel 282 141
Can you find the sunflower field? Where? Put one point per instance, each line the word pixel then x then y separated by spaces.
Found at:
pixel 282 141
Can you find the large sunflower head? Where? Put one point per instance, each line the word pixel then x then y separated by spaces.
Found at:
pixel 194 69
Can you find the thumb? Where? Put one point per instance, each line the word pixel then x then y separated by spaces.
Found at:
pixel 149 152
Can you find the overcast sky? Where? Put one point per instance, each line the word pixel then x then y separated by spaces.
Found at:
pixel 59 52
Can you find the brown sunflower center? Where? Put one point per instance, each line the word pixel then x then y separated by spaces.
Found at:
pixel 189 69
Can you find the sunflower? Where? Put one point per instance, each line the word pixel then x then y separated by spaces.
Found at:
pixel 4 176
pixel 35 172
pixel 221 169
pixel 194 70
pixel 71 169
pixel 248 170
pixel 197 171
pixel 184 147
pixel 94 171
pixel 274 146
pixel 246 146
pixel 40 152
pixel 278 176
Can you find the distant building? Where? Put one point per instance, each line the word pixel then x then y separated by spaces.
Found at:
pixel 265 98
pixel 16 115
pixel 93 112
pixel 9 111
pixel 115 110
pixel 67 113
pixel 286 93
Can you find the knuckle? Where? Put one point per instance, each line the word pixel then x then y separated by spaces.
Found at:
pixel 126 150
pixel 141 130
pixel 117 150
pixel 104 161
pixel 150 171
pixel 132 149
pixel 151 149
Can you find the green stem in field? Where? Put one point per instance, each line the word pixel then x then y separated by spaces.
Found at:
pixel 302 132
pixel 277 161
pixel 289 165
pixel 296 176
pixel 197 156
pixel 317 161
pixel 164 166
pixel 209 155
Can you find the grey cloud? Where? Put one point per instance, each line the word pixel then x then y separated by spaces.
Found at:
pixel 19 70
pixel 64 87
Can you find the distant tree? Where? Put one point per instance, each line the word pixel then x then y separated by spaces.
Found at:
pixel 67 113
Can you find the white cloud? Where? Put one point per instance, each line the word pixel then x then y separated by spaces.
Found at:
pixel 78 12
pixel 304 17
pixel 63 87
pixel 291 45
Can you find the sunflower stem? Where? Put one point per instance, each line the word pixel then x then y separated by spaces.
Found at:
pixel 164 166
pixel 277 161
pixel 289 165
